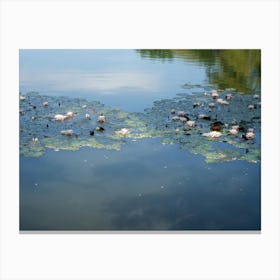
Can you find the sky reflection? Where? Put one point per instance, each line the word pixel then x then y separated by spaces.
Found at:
pixel 74 80
pixel 110 76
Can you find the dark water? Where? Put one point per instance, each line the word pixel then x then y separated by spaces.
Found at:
pixel 145 185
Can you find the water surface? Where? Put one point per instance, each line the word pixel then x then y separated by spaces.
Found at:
pixel 145 185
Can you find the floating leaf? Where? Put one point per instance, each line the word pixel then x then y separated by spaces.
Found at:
pixel 37 121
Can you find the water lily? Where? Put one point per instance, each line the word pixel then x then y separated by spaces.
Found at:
pixel 176 118
pixel 221 101
pixel 183 119
pixel 214 94
pixel 191 123
pixel 101 119
pixel 124 131
pixel 60 118
pixel 233 131
pixel 212 134
pixel 68 132
pixel 250 135
pixel 228 96
pixel 69 115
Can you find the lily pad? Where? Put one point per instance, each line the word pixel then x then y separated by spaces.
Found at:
pixel 37 121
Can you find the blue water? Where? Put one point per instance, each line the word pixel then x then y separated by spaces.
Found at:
pixel 145 185
pixel 117 78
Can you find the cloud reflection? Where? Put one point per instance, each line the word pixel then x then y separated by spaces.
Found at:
pixel 82 81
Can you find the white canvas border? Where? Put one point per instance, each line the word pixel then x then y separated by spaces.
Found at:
pixel 155 24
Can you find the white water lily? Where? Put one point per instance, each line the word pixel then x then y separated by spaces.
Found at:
pixel 122 132
pixel 60 118
pixel 214 94
pixel 183 119
pixel 229 96
pixel 213 134
pixel 250 135
pixel 191 123
pixel 221 101
pixel 68 132
pixel 101 119
pixel 69 115
pixel 233 131
pixel 176 118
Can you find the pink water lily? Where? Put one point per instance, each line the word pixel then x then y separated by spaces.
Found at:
pixel 124 131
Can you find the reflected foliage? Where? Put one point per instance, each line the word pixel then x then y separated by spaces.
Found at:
pixel 240 69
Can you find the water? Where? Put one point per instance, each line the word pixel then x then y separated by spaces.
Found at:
pixel 145 185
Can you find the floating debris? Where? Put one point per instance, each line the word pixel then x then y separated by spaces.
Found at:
pixel 100 128
pixel 217 126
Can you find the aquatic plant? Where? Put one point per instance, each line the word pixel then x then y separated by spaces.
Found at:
pixel 51 125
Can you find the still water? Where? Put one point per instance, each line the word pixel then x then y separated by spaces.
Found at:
pixel 145 185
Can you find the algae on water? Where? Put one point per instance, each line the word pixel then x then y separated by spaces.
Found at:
pixel 37 122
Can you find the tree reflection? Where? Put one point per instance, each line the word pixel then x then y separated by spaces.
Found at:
pixel 240 69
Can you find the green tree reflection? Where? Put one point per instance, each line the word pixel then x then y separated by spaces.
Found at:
pixel 240 69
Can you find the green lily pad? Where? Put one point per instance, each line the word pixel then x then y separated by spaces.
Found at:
pixel 37 121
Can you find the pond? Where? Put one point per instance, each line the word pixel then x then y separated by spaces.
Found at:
pixel 169 157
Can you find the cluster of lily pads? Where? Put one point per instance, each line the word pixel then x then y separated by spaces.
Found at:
pixel 214 124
